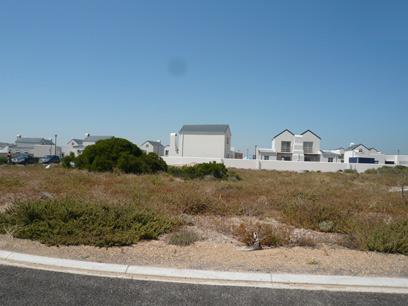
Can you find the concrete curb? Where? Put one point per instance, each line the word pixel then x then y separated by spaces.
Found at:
pixel 269 280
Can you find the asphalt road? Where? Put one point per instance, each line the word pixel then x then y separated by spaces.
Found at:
pixel 20 286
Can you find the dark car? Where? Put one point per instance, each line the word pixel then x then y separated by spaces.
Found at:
pixel 23 159
pixel 50 159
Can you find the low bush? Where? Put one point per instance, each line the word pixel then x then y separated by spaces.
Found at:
pixel 268 235
pixel 212 169
pixel 68 222
pixel 306 211
pixel 68 161
pixel 3 160
pixel 389 238
pixel 184 237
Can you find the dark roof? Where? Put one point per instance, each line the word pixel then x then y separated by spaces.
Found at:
pixel 96 138
pixel 31 140
pixel 78 141
pixel 204 128
pixel 153 142
pixel 285 130
pixel 351 148
pixel 311 132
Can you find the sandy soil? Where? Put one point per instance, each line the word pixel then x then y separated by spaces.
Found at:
pixel 228 255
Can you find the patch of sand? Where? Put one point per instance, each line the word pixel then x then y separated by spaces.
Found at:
pixel 228 256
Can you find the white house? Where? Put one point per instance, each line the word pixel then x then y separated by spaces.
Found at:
pixel 204 140
pixel 5 148
pixel 359 153
pixel 37 147
pixel 151 146
pixel 77 146
pixel 292 147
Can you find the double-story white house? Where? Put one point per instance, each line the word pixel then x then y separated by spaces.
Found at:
pixel 201 140
pixel 37 147
pixel 77 146
pixel 151 146
pixel 292 147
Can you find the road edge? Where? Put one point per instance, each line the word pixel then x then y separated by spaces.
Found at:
pixel 208 277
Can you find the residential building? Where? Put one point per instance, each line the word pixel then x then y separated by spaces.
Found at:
pixel 292 147
pixel 204 140
pixel 5 148
pixel 37 147
pixel 151 146
pixel 77 146
pixel 360 153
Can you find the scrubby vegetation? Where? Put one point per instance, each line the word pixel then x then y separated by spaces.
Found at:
pixel 359 207
pixel 116 153
pixel 70 222
pixel 268 235
pixel 184 237
pixel 3 160
pixel 203 170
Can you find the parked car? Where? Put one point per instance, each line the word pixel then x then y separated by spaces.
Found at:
pixel 50 159
pixel 23 159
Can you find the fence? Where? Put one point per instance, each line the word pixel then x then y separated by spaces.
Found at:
pixel 256 164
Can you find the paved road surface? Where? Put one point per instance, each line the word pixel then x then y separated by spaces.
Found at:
pixel 20 286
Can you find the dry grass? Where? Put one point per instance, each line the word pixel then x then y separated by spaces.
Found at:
pixel 352 203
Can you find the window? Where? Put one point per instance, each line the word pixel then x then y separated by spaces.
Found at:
pixel 227 140
pixel 166 152
pixel 266 157
pixel 330 159
pixel 285 146
pixel 308 147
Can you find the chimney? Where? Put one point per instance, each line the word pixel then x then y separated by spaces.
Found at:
pixel 173 145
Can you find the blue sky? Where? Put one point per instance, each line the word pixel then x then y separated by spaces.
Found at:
pixel 142 69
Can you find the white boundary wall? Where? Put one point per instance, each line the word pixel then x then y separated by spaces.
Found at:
pixel 256 164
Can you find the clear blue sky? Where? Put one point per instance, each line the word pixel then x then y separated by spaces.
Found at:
pixel 142 69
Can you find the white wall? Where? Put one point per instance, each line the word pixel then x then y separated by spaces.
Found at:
pixel 277 141
pixel 257 164
pixel 308 136
pixel 194 145
pixel 37 150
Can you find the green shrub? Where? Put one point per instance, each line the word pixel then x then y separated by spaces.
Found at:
pixel 306 211
pixel 3 160
pixel 389 238
pixel 109 154
pixel 67 161
pixel 69 222
pixel 212 169
pixel 184 237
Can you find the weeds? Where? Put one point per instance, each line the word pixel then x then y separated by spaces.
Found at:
pixel 184 237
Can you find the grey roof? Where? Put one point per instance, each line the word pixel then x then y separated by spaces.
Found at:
pixel 285 130
pixel 204 128
pixel 31 140
pixel 311 132
pixel 153 142
pixel 78 141
pixel 351 148
pixel 96 138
